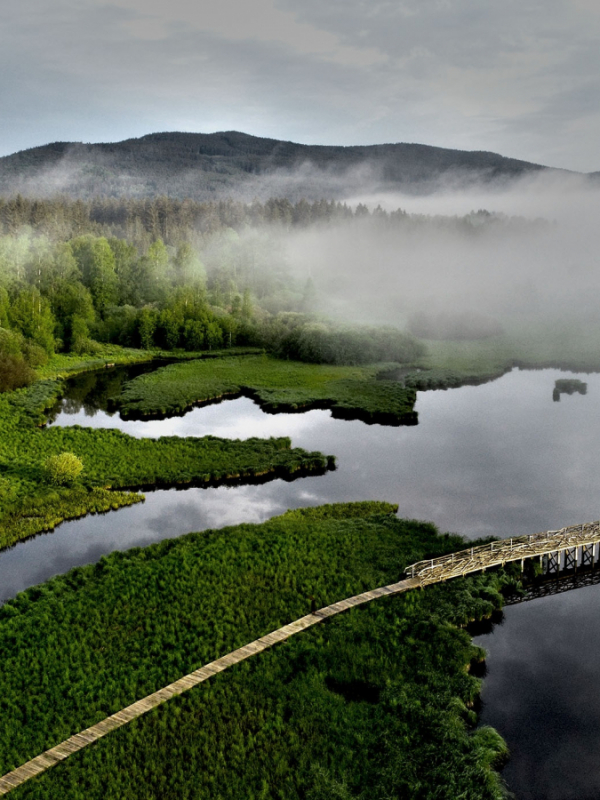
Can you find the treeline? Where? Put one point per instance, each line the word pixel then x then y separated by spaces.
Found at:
pixel 89 290
pixel 71 295
pixel 142 221
pixel 320 343
pixel 165 217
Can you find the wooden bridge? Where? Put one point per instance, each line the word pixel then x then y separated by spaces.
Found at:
pixel 566 548
pixel 578 545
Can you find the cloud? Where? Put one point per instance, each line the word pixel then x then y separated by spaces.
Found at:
pixel 511 77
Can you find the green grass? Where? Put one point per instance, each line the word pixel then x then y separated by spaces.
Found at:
pixel 373 704
pixel 45 512
pixel 113 460
pixel 529 345
pixel 64 365
pixel 277 385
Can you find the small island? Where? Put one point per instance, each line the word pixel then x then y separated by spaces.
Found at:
pixel 568 386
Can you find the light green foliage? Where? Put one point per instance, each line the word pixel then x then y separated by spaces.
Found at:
pixel 14 254
pixel 96 262
pixel 125 255
pixel 187 266
pixel 278 385
pixel 63 469
pixel 31 315
pixel 148 319
pixel 374 702
pixel 61 365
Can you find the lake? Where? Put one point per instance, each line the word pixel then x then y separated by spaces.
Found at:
pixel 498 459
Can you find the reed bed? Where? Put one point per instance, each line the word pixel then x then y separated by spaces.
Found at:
pixel 373 704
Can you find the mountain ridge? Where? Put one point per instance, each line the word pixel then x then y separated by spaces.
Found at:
pixel 208 166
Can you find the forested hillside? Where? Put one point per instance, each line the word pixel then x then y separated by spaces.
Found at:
pixel 208 166
pixel 169 274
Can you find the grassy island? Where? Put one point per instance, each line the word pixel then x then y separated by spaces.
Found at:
pixel 373 704
pixel 277 385
pixel 29 503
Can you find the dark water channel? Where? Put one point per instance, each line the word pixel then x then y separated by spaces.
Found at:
pixel 498 459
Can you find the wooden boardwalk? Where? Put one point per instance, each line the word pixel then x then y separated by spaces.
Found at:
pixel 80 740
pixel 577 543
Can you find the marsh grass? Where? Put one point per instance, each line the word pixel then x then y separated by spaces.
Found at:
pixel 525 344
pixel 373 704
pixel 112 461
pixel 277 385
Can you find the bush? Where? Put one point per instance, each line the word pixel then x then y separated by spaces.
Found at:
pixel 14 372
pixel 63 469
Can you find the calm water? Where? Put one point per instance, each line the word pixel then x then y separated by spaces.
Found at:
pixel 499 459
pixel 541 694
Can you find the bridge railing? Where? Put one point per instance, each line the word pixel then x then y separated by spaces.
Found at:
pixel 501 551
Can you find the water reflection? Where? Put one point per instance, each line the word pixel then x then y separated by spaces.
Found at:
pixel 541 693
pixel 496 459
pixel 94 391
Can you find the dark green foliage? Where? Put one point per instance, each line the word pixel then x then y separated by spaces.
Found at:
pixel 277 385
pixel 325 344
pixel 14 372
pixel 371 705
pixel 18 358
pixel 202 166
pixel 568 386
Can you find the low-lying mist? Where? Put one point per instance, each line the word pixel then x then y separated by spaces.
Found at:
pixel 531 250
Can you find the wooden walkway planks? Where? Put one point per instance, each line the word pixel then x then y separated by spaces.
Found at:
pixel 498 553
pixel 80 740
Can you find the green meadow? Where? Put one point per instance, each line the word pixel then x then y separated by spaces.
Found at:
pixel 276 384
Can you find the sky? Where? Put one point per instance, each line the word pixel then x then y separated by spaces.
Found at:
pixel 518 77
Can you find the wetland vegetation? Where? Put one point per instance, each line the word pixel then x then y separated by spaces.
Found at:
pixel 374 703
pixel 275 384
pixel 111 460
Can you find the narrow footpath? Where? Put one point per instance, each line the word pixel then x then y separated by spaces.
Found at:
pixel 80 740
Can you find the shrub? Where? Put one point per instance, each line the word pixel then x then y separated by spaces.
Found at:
pixel 14 372
pixel 63 469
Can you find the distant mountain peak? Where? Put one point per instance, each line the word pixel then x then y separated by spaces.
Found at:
pixel 208 166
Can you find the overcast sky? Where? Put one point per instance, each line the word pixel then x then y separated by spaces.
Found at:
pixel 519 77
